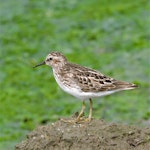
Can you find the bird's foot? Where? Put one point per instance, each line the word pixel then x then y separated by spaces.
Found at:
pixel 68 120
pixel 83 120
pixel 72 119
pixel 77 120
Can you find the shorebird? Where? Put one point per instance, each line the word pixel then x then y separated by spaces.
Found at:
pixel 82 82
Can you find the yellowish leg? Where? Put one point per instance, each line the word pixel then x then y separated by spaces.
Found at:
pixel 90 113
pixel 79 119
pixel 81 112
pixel 79 116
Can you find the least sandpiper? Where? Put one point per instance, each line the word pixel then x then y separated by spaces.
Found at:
pixel 82 82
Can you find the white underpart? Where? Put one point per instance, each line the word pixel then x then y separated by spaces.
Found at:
pixel 84 95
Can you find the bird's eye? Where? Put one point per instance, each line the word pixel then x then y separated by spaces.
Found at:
pixel 49 59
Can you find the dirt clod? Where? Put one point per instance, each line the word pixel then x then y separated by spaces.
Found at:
pixel 96 135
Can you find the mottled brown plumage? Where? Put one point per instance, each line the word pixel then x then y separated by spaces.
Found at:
pixel 90 80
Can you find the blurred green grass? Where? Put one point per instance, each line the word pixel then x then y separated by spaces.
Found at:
pixel 110 36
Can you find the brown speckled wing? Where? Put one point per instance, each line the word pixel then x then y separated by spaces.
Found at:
pixel 90 80
pixel 93 82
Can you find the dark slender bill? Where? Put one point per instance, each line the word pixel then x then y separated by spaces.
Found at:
pixel 43 63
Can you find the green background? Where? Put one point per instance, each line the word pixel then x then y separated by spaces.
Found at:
pixel 110 36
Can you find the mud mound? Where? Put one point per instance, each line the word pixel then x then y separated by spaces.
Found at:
pixel 97 135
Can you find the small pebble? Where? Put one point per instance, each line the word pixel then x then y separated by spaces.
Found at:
pixel 42 136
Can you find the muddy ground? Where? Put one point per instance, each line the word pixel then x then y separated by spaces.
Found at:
pixel 96 135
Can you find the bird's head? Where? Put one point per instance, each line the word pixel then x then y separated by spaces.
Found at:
pixel 54 59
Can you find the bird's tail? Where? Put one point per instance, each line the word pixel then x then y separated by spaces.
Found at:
pixel 125 85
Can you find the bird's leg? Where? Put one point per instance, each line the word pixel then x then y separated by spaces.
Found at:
pixel 81 112
pixel 78 119
pixel 84 120
pixel 90 113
